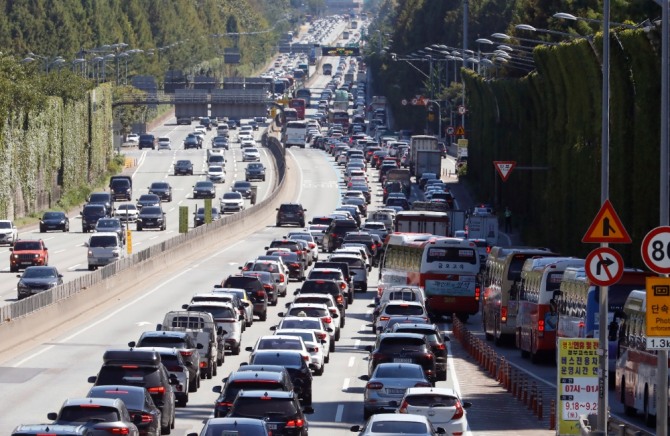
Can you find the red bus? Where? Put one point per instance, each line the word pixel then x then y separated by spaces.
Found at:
pixel 299 105
pixel 537 317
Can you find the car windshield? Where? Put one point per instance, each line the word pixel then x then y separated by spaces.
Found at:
pixel 261 408
pixel 399 427
pixel 127 207
pixel 103 242
pixel 149 198
pixel 215 169
pixel 398 371
pixel 107 224
pixel 154 210
pixel 98 198
pixel 232 196
pixel 27 245
pixel 85 414
pixel 183 163
pixel 159 185
pixel 204 185
pixel 239 184
pixel 47 216
pixel 5 225
pixel 39 273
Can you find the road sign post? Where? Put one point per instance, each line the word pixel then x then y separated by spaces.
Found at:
pixel 504 168
pixel 656 250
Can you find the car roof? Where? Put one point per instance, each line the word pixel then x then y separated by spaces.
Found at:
pixel 163 333
pixel 255 375
pixel 266 394
pixel 432 390
pixel 402 417
pixel 401 335
pixel 106 402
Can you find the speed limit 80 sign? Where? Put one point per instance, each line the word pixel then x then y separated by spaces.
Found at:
pixel 656 250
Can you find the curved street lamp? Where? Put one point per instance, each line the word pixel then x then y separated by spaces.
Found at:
pixel 570 17
pixel 529 28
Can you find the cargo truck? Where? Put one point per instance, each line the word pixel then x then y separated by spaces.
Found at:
pixel 427 162
pixel 483 226
pixel 423 143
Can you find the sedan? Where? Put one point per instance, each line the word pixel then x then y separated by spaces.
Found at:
pixel 162 189
pixel 387 385
pixel 103 415
pixel 396 424
pixel 127 212
pixel 251 154
pixel 220 142
pixel 36 279
pixel 243 187
pixel 216 174
pixel 232 202
pixel 204 189
pixel 183 167
pixel 442 406
pixel 148 200
pixel 54 221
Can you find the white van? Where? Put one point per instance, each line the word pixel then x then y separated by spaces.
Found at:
pixel 222 130
pixel 103 249
pixel 384 216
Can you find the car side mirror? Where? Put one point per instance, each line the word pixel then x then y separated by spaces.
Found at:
pixel 353 428
pixel 137 418
pixel 440 430
pixel 85 244
pixel 219 331
pixel 188 363
pixel 296 292
pixel 313 367
pixel 132 344
pixel 329 330
pixel 243 364
pixel 54 416
pixel 368 348
pixel 467 404
pixel 92 379
pixel 249 349
pixel 217 389
pixel 184 306
pixel 273 328
pixel 287 305
pixel 280 314
pixel 334 315
pixel 364 377
pixel 219 286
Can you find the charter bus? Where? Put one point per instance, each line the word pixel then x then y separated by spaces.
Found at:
pixel 296 133
pixel 290 114
pixel 578 306
pixel 636 372
pixel 537 316
pixel 502 275
pixel 299 105
pixel 446 268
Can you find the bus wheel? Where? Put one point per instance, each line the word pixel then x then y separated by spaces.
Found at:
pixel 649 419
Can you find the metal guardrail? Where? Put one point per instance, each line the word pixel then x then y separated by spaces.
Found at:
pixel 33 303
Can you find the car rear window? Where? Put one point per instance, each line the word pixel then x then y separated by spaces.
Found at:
pixel 398 371
pixel 300 324
pixel 250 385
pixel 429 334
pixel 399 427
pixel 309 311
pixel 400 309
pixel 85 414
pixel 279 344
pixel 262 407
pixel 325 275
pixel 131 374
pixel 281 359
pixel 216 311
pixel 351 261
pixel 246 283
pixel 320 287
pixel 131 398
pixel 162 341
pixel 103 241
pixel 431 400
pixel 396 345
pixel 171 362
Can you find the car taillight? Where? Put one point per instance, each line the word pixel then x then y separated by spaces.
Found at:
pixel 295 423
pixel 114 430
pixel 423 385
pixel 157 390
pixel 428 356
pixel 441 347
pixel 174 368
pixel 224 404
pixel 540 326
pixel 379 245
pixel 374 385
pixel 384 318
pixel 260 293
pixel 268 287
pixel 281 278
pixel 459 411
pixel 327 319
pixel 306 358
pixel 333 235
pixel 478 291
pixel 311 245
pixel 315 349
pixel 295 265
pixel 186 353
pixel 203 364
pixel 333 310
pixel 343 286
pixel 321 336
pixel 146 418
pixel 503 314
pixel 403 407
pixel 340 300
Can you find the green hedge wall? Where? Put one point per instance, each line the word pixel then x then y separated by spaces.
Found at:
pixel 552 118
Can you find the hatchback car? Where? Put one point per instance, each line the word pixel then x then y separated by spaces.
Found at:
pixel 248 380
pixel 36 279
pixel 291 213
pixel 54 221
pixel 234 426
pixel 397 424
pixel 282 411
pixel 103 415
pixel 387 385
pixel 142 410
pixel 442 406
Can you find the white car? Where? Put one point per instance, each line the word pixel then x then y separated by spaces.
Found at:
pixel 326 299
pixel 442 406
pixel 200 129
pixel 164 143
pixel 127 212
pixel 216 174
pixel 247 129
pixel 275 342
pixel 231 202
pixel 251 154
pixel 319 355
pixel 311 242
pixel 132 139
pixel 317 310
pixel 8 232
pixel 247 141
pixel 214 152
pixel 225 316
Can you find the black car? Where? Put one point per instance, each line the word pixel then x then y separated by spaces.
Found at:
pixel 104 198
pixel 298 369
pixel 147 141
pixel 243 187
pixel 140 368
pixel 255 292
pixel 220 142
pixel 90 215
pixel 36 279
pixel 248 380
pixel 436 340
pixel 291 213
pixel 282 411
pixel 112 225
pixel 183 342
pixel 335 233
pixel 183 167
pixel 204 189
pixel 192 141
pixel 148 200
pixel 151 217
pixel 54 221
pixel 162 189
pixel 121 187
pixel 205 121
pixel 255 171
pixel 102 415
pixel 142 410
pixel 269 284
pixel 232 124
pixel 410 347
pixel 254 124
pixel 199 218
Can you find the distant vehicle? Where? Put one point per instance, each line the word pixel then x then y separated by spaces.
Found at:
pixel 37 279
pixel 183 167
pixel 147 141
pixel 54 221
pixel 8 232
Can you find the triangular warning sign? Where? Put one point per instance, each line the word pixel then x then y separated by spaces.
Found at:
pixel 607 227
pixel 460 131
pixel 504 168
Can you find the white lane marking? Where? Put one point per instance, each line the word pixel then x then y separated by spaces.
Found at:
pixel 352 359
pixel 139 163
pixel 339 413
pixel 59 251
pixel 299 172
pixel 452 370
pixel 153 237
pixel 345 385
pixel 73 267
pixel 48 239
pixel 101 320
pixel 357 344
pixel 362 328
